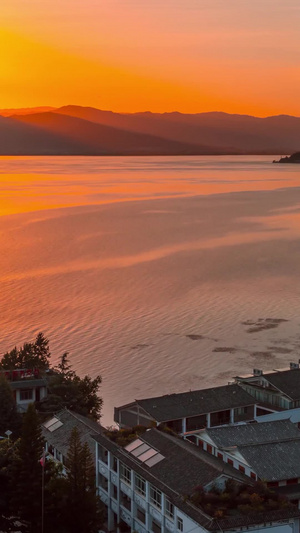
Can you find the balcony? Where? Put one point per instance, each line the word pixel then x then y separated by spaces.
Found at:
pixel 103 468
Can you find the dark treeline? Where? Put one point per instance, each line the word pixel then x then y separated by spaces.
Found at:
pixel 36 491
pixel 27 480
pixel 65 387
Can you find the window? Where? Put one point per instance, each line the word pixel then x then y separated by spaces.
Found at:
pixel 125 474
pixel 179 524
pixel 50 449
pixel 115 492
pixel 155 497
pixel 102 481
pixel 252 475
pixel 125 501
pixel 230 462
pixel 103 454
pixel 26 395
pixel 293 481
pixel 272 484
pixel 141 515
pixel 140 485
pixel 114 464
pixel 200 443
pixel 156 527
pixel 242 469
pixel 220 455
pixel 169 509
pixel 209 448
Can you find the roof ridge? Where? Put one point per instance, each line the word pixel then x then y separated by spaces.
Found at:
pixel 77 415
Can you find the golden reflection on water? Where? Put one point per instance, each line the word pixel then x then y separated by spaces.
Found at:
pixel 183 246
pixel 32 190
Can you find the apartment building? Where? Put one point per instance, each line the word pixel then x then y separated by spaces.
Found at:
pixel 28 387
pixel 145 487
pixel 268 451
pixel 57 430
pixel 189 411
pixel 273 390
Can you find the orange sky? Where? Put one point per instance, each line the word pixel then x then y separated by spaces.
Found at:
pixel 134 55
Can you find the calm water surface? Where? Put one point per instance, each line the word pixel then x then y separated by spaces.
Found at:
pixel 161 274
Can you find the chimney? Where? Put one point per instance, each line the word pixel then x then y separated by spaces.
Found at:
pixel 257 372
pixel 294 366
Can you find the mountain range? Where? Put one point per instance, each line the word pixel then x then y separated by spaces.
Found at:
pixel 75 130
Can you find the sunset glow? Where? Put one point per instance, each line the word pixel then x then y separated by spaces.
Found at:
pixel 199 55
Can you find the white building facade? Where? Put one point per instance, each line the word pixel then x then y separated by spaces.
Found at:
pixel 134 502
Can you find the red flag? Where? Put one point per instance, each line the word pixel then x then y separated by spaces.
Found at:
pixel 43 459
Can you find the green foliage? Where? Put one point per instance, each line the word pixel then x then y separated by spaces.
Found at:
pixel 9 453
pixel 28 490
pixel 9 418
pixel 122 437
pixel 67 389
pixel 84 512
pixel 238 498
pixel 34 355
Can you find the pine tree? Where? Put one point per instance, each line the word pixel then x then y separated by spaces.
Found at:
pixel 28 497
pixel 32 355
pixel 9 458
pixel 9 418
pixel 84 512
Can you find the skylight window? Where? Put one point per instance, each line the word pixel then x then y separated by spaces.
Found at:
pixel 140 450
pixel 154 460
pixel 134 445
pixel 144 453
pixel 53 424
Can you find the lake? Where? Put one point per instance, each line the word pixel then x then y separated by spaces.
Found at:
pixel 161 274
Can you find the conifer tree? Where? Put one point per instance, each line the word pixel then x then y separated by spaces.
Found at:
pixel 32 355
pixel 28 497
pixel 83 510
pixel 9 458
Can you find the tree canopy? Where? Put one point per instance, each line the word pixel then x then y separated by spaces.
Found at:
pixel 67 389
pixel 32 355
pixel 84 509
pixel 10 420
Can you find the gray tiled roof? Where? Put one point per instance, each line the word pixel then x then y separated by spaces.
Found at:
pixel 183 468
pixel 274 461
pixel 245 434
pixel 59 438
pixel 28 384
pixel 193 403
pixel 287 381
pixel 181 456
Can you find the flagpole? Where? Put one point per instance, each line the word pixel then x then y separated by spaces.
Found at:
pixel 43 486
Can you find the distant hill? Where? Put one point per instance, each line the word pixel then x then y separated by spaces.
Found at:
pixel 229 133
pixel 25 111
pixel 75 130
pixel 55 134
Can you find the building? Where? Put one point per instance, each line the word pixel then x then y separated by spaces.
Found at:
pixel 28 386
pixel 57 432
pixel 145 487
pixel 268 451
pixel 290 414
pixel 191 410
pixel 275 390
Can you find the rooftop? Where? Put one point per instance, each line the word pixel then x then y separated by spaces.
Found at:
pixel 253 434
pixel 199 468
pixel 193 403
pixel 28 383
pixel 287 381
pixel 59 428
pixel 274 461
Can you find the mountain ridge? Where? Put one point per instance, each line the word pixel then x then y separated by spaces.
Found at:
pixel 79 130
